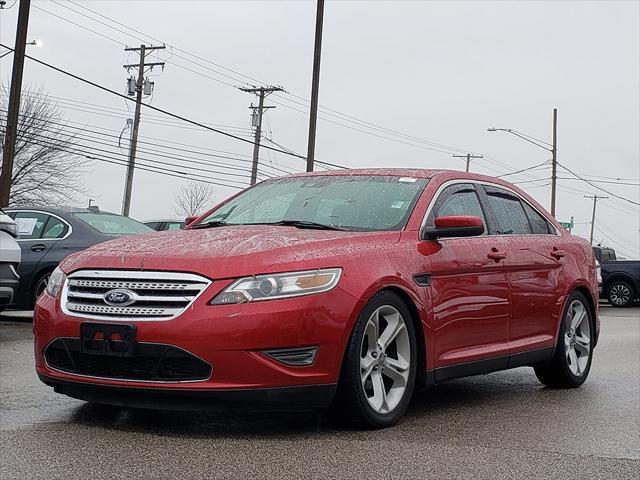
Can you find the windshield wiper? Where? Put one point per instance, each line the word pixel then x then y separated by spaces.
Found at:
pixel 306 224
pixel 215 223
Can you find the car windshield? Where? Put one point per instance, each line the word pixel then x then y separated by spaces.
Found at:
pixel 112 224
pixel 349 202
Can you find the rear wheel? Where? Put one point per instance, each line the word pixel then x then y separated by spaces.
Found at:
pixel 620 294
pixel 379 369
pixel 571 363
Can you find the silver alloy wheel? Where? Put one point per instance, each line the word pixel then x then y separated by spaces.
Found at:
pixel 620 294
pixel 385 359
pixel 577 338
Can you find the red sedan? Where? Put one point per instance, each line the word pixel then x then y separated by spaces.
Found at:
pixel 351 288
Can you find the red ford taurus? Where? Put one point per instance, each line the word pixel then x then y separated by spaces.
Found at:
pixel 350 288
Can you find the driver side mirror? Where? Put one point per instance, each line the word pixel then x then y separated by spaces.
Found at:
pixel 190 220
pixel 453 226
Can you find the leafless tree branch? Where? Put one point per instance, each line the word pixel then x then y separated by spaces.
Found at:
pixel 193 199
pixel 44 173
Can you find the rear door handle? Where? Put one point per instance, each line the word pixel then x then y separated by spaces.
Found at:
pixel 38 248
pixel 496 256
pixel 557 253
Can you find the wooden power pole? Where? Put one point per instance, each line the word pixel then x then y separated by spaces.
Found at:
pixel 13 111
pixel 554 162
pixel 593 213
pixel 139 86
pixel 468 156
pixel 315 85
pixel 256 122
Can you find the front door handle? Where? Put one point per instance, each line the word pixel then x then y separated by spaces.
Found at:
pixel 38 248
pixel 557 253
pixel 496 256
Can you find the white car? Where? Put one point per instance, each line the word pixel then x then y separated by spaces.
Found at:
pixel 9 259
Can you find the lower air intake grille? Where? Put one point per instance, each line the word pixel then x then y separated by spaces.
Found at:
pixel 302 356
pixel 151 362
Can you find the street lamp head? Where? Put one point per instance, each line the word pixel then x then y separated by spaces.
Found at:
pixel 36 42
pixel 492 129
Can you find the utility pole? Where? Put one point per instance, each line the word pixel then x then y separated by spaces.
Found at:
pixel 256 121
pixel 468 156
pixel 593 213
pixel 139 87
pixel 315 85
pixel 8 149
pixel 554 162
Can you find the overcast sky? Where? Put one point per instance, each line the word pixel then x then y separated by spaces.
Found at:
pixel 441 72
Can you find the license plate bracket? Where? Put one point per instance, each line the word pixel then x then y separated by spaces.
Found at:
pixel 108 339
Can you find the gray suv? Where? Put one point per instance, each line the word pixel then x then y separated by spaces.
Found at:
pixel 9 259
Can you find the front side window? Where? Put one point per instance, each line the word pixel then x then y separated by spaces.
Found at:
pixel 112 224
pixel 458 199
pixel 30 224
pixel 349 202
pixel 508 212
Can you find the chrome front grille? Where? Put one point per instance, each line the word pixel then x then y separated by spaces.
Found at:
pixel 143 295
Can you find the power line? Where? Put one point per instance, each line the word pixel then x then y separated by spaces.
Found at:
pixel 597 187
pixel 157 109
pixel 328 111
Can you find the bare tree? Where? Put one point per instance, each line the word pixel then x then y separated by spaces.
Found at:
pixel 193 199
pixel 46 167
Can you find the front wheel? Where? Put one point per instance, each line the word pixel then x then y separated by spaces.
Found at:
pixel 571 363
pixel 379 367
pixel 40 287
pixel 620 294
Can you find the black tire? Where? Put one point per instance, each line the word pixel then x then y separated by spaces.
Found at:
pixel 558 372
pixel 620 294
pixel 39 287
pixel 351 405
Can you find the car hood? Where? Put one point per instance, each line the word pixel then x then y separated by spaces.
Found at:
pixel 230 251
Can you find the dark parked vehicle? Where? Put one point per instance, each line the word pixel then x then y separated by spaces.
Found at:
pixel 9 259
pixel 165 224
pixel 620 278
pixel 48 235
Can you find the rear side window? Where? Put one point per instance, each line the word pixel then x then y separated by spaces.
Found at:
pixel 55 228
pixel 539 224
pixel 508 212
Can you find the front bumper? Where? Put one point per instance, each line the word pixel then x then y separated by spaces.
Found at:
pixel 8 283
pixel 303 398
pixel 230 338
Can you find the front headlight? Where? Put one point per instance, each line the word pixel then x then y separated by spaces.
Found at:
pixel 55 282
pixel 280 285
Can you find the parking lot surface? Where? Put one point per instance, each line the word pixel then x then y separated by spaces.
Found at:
pixel 502 425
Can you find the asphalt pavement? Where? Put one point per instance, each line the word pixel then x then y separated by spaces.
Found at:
pixel 502 425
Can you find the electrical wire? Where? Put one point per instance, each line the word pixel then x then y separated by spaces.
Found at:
pixel 597 187
pixel 174 115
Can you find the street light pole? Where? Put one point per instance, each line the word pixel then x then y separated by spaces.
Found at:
pixel 593 213
pixel 552 147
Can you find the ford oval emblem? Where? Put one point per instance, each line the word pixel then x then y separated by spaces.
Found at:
pixel 119 297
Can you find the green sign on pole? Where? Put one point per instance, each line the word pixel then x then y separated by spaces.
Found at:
pixel 567 225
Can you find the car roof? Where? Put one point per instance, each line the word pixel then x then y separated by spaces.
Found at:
pixel 396 172
pixel 57 210
pixel 172 220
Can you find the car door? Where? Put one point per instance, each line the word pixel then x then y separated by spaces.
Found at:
pixel 534 262
pixel 39 234
pixel 31 225
pixel 469 293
